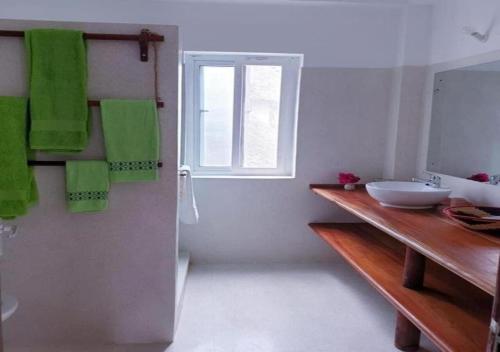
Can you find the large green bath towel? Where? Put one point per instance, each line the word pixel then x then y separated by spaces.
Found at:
pixel 18 189
pixel 87 185
pixel 132 138
pixel 57 70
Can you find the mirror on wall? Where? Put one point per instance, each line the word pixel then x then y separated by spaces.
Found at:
pixel 465 125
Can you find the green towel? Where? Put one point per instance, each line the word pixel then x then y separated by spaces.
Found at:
pixel 18 189
pixel 57 67
pixel 131 136
pixel 87 185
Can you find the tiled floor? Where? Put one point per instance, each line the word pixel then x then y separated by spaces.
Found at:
pixel 293 308
pixel 93 348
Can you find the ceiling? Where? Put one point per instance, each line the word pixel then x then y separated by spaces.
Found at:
pixel 322 2
pixel 373 2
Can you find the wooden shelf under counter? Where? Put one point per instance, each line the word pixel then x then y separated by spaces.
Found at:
pixel 449 297
pixel 451 312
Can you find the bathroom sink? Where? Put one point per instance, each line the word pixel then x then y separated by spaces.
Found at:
pixel 408 195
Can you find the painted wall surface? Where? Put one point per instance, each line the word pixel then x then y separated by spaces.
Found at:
pixel 100 277
pixel 406 132
pixel 344 107
pixel 266 220
pixel 449 41
pixel 348 87
pixel 406 108
pixel 336 35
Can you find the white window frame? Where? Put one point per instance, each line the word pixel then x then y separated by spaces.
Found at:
pixel 287 131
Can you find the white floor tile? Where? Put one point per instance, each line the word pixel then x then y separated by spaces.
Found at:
pixel 277 308
pixel 298 308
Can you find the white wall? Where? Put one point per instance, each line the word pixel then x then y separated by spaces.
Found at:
pixel 348 90
pixel 342 121
pixel 100 277
pixel 451 16
pixel 407 96
pixel 339 35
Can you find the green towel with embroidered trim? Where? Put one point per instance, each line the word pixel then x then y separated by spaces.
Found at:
pixel 132 139
pixel 57 71
pixel 87 185
pixel 18 190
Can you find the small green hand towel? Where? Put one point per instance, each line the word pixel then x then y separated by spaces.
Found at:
pixel 132 138
pixel 57 71
pixel 87 185
pixel 18 189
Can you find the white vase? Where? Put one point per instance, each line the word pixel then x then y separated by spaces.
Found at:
pixel 349 186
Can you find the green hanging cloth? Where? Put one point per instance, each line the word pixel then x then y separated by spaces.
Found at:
pixel 18 190
pixel 57 71
pixel 87 185
pixel 132 139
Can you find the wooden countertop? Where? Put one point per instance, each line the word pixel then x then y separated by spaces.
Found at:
pixel 469 254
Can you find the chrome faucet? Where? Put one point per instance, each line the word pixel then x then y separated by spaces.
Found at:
pixel 433 181
pixel 6 231
pixel 494 179
pixel 9 231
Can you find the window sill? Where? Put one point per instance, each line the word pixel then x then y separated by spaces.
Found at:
pixel 246 177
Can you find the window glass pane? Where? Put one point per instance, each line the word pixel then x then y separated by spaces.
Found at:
pixel 261 116
pixel 216 115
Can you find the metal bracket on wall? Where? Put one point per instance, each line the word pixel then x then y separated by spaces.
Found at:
pixel 144 44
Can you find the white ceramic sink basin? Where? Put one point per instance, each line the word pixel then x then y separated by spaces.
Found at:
pixel 409 195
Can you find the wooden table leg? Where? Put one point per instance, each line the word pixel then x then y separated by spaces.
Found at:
pixel 414 269
pixel 495 318
pixel 407 334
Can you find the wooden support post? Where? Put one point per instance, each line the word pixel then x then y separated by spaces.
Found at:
pixel 414 269
pixel 495 318
pixel 407 335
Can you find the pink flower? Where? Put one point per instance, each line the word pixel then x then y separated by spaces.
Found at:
pixel 481 177
pixel 346 177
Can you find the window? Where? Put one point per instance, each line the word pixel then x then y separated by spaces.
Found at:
pixel 241 114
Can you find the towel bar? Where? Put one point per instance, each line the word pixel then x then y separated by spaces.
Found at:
pixel 143 38
pixel 153 37
pixel 59 163
pixel 97 103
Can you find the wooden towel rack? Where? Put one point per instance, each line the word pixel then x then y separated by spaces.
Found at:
pixel 143 38
pixel 59 163
pixel 97 103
